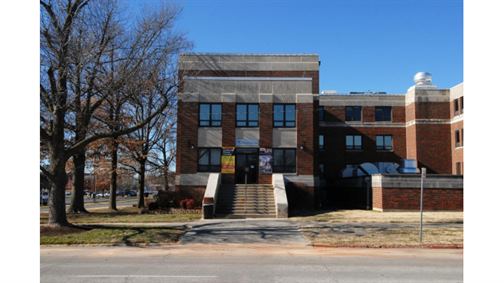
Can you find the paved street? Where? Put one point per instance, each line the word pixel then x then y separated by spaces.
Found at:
pixel 99 203
pixel 252 263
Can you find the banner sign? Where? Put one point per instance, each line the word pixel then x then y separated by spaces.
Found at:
pixel 265 161
pixel 228 160
pixel 247 142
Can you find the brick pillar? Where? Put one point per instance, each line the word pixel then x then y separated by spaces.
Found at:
pixel 228 133
pixel 187 135
pixel 305 137
pixel 265 134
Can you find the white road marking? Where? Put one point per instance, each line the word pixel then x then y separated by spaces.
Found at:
pixel 145 276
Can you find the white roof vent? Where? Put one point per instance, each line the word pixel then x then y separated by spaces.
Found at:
pixel 423 79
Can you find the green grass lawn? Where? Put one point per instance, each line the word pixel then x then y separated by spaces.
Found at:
pixel 109 235
pixel 127 215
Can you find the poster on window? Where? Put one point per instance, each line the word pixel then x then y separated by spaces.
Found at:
pixel 265 161
pixel 228 160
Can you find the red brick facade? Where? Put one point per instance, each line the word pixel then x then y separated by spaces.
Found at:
pixel 388 199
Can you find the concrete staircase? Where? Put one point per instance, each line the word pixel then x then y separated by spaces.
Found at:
pixel 246 201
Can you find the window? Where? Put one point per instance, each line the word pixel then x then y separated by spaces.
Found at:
pixel 321 113
pixel 456 105
pixel 384 143
pixel 284 115
pixel 383 113
pixel 210 115
pixel 209 159
pixel 247 115
pixel 461 99
pixel 284 160
pixel 321 142
pixel 353 142
pixel 353 113
pixel 457 138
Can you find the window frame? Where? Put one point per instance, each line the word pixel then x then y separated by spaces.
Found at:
pixel 211 167
pixel 381 110
pixel 321 113
pixel 210 121
pixel 458 138
pixel 284 121
pixel 283 167
pixel 353 148
pixel 353 108
pixel 247 121
pixel 384 147
pixel 321 147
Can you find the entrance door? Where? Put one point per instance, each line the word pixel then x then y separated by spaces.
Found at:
pixel 247 163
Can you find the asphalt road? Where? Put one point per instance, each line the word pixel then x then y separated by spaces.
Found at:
pixel 248 263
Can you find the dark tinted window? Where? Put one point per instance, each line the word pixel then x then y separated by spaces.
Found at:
pixel 209 160
pixel 284 160
pixel 247 115
pixel 321 112
pixel 284 115
pixel 353 113
pixel 353 142
pixel 321 142
pixel 210 115
pixel 383 113
pixel 384 142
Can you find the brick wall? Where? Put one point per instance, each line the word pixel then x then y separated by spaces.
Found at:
pixel 187 135
pixel 305 138
pixel 409 199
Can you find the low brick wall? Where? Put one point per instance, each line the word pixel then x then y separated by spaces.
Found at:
pixel 402 192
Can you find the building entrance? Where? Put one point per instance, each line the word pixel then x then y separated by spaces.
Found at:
pixel 247 165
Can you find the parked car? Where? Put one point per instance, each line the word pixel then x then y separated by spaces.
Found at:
pixel 99 195
pixel 131 193
pixel 106 194
pixel 44 198
pixel 67 193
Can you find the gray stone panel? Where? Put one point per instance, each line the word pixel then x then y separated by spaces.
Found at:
pixel 285 137
pixel 209 137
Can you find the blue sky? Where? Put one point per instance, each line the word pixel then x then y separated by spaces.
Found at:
pixel 375 45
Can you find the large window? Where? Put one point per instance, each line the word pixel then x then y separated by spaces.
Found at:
pixel 284 160
pixel 247 115
pixel 383 113
pixel 353 113
pixel 209 159
pixel 384 142
pixel 284 115
pixel 321 142
pixel 210 115
pixel 353 142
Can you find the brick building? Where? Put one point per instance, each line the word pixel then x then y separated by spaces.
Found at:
pixel 250 116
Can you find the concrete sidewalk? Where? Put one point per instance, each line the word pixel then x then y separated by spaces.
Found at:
pixel 277 232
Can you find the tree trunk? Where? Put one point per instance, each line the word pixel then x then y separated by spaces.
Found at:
pixel 57 213
pixel 141 188
pixel 77 200
pixel 165 175
pixel 113 176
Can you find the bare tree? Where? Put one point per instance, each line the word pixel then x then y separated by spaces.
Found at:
pixel 165 147
pixel 73 86
pixel 141 143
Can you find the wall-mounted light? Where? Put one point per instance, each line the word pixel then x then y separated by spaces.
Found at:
pixel 301 147
pixel 191 146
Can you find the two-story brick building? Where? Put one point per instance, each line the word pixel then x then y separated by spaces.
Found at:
pixel 248 116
